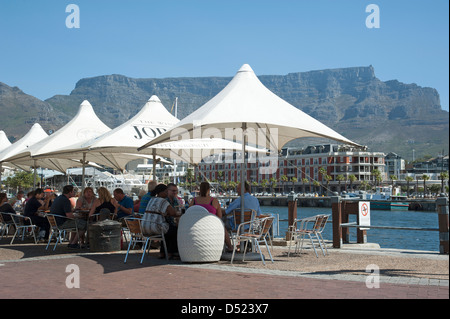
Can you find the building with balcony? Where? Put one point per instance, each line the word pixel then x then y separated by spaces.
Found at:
pixel 303 166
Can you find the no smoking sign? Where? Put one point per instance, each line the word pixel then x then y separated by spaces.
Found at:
pixel 364 214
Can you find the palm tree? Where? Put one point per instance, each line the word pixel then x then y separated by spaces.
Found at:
pixel 305 181
pixel 425 177
pixel 189 176
pixel 364 185
pixel 408 179
pixel 377 176
pixel 393 178
pixel 284 179
pixel 443 176
pixel 293 180
pixel 255 186
pixel 323 172
pixel 340 178
pixel 351 178
pixel 264 183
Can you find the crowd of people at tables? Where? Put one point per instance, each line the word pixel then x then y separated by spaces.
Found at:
pixel 159 198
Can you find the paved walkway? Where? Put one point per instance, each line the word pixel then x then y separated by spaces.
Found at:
pixel 28 271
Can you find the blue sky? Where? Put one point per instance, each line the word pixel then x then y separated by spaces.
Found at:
pixel 190 38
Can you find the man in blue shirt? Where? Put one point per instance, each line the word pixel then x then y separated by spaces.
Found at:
pixel 250 202
pixel 146 198
pixel 124 204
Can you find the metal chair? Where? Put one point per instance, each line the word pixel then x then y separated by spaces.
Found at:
pixel 249 215
pixel 137 235
pixel 254 231
pixel 24 225
pixel 5 224
pixel 302 228
pixel 55 229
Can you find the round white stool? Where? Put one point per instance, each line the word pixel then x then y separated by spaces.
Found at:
pixel 200 236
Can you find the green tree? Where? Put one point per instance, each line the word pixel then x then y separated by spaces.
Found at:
pixel 377 176
pixel 284 179
pixel 273 184
pixel 443 176
pixel 293 181
pixel 408 180
pixel 264 184
pixel 340 178
pixel 425 177
pixel 352 178
pixel 20 180
pixel 393 178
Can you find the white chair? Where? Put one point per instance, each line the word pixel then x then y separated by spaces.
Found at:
pixel 60 233
pixel 311 227
pixel 249 215
pixel 5 224
pixel 137 235
pixel 23 225
pixel 255 231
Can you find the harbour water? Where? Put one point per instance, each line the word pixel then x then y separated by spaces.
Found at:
pixel 386 238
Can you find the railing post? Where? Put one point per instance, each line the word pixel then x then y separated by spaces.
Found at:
pixel 442 209
pixel 292 213
pixel 336 210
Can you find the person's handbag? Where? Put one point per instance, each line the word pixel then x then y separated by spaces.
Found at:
pixel 154 224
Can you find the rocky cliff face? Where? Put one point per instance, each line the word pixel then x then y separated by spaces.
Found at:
pixel 19 111
pixel 386 116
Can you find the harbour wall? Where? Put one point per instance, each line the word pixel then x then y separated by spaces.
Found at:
pixel 325 201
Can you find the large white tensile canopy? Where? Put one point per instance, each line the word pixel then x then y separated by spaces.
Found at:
pixel 34 135
pixel 4 141
pixel 263 118
pixel 121 144
pixel 245 101
pixel 84 126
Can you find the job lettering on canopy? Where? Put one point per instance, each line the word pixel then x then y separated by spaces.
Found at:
pixel 147 132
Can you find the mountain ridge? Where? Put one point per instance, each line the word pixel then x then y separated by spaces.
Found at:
pixel 385 115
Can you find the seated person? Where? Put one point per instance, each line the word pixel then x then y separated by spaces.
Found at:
pixel 85 201
pixel 250 202
pixel 63 207
pixel 18 201
pixel 123 204
pixel 158 204
pixel 32 208
pixel 104 202
pixel 212 205
pixel 145 199
pixel 6 207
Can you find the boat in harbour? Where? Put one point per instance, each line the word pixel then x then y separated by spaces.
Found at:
pixel 387 198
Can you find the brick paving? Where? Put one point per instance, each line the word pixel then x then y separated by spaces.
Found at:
pixel 105 276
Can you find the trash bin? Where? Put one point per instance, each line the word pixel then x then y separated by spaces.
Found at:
pixel 105 236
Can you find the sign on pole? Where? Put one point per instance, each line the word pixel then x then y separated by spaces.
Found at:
pixel 364 214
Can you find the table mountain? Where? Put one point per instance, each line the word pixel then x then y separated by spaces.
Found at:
pixel 385 115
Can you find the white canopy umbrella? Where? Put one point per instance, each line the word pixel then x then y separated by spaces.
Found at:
pixel 4 141
pixel 84 126
pixel 116 147
pixel 245 109
pixel 119 145
pixel 34 135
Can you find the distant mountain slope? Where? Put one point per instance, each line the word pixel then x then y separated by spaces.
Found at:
pixel 386 116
